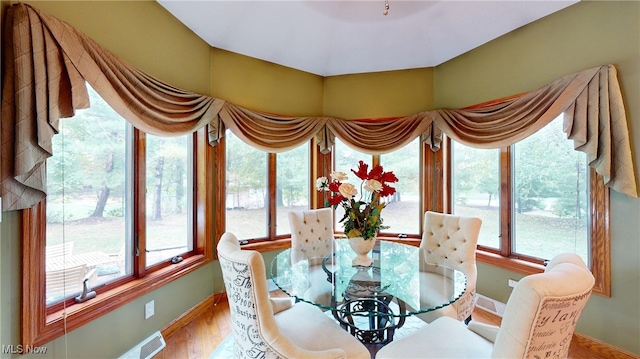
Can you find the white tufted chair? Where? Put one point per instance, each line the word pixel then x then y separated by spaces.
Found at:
pixel 263 327
pixel 312 240
pixel 311 235
pixel 451 241
pixel 538 322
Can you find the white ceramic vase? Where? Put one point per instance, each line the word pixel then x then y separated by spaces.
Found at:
pixel 362 247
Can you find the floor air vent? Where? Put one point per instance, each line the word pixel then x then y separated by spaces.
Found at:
pixel 490 305
pixel 147 348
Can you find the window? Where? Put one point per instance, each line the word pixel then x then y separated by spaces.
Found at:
pixel 345 159
pixel 259 183
pixel 536 199
pixel 262 188
pixel 292 185
pixel 121 204
pixel 87 209
pixel 169 198
pixel 476 189
pixel 403 210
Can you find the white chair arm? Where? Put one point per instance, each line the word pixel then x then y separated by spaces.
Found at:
pixel 280 304
pixel 487 331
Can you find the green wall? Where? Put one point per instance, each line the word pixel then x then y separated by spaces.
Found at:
pixel 264 86
pixel 584 35
pixel 581 36
pixel 380 94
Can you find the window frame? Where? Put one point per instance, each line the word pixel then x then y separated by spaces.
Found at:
pixel 41 324
pixel 600 240
pixel 425 196
pixel 322 164
pixel 436 189
pixel 273 241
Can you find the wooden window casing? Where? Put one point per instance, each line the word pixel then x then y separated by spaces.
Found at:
pixel 600 247
pixel 42 324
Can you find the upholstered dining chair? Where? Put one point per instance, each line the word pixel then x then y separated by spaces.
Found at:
pixel 451 241
pixel 312 240
pixel 311 234
pixel 264 327
pixel 539 320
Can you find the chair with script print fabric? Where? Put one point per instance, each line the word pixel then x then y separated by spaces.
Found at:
pixel 538 322
pixel 264 327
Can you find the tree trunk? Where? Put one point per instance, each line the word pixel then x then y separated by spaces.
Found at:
pixel 102 202
pixel 104 193
pixel 179 186
pixel 157 191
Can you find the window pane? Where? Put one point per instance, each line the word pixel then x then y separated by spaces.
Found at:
pixel 550 195
pixel 87 207
pixel 169 197
pixel 402 213
pixel 246 189
pixel 475 189
pixel 346 159
pixel 292 189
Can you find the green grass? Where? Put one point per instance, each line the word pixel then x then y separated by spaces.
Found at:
pixel 539 233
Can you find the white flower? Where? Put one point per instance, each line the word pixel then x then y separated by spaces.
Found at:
pixel 347 190
pixel 373 186
pixel 322 184
pixel 339 176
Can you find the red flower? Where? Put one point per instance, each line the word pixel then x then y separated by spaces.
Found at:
pixel 387 190
pixel 362 170
pixel 388 177
pixel 334 186
pixel 335 200
pixel 375 174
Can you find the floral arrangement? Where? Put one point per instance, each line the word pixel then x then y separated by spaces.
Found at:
pixel 361 217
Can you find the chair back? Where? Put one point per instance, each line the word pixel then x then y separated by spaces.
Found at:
pixel 451 241
pixel 63 282
pixel 59 250
pixel 252 317
pixel 543 310
pixel 311 234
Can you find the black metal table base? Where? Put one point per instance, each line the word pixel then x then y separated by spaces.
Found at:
pixel 370 320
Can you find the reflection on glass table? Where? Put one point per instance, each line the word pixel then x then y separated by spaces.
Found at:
pixel 370 302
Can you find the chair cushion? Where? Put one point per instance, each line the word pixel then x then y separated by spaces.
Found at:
pixel 445 337
pixel 309 328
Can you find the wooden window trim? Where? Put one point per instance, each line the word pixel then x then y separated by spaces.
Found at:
pixel 274 241
pixel 39 328
pixel 600 239
pixel 436 192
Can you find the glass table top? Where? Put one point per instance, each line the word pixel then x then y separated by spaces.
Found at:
pixel 398 272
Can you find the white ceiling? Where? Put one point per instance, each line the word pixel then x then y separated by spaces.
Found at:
pixel 332 37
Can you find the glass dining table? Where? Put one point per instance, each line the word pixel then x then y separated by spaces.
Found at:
pixel 369 302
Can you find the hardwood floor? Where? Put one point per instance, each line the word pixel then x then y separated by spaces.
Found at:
pixel 202 335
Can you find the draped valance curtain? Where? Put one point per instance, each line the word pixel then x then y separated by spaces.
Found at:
pixel 47 62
